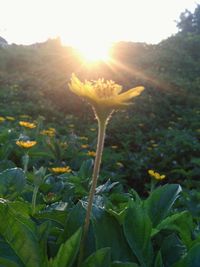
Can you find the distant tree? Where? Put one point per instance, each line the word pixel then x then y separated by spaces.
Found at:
pixel 196 20
pixel 3 42
pixel 190 22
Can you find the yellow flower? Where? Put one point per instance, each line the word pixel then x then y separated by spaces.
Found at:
pixel 119 164
pixel 154 145
pixel 65 169
pixel 114 147
pixel 103 95
pixel 50 132
pixel 9 118
pixel 91 153
pixel 27 124
pixel 151 172
pixel 71 125
pixel 141 124
pixel 2 119
pixel 63 145
pixel 83 138
pixel 84 146
pixel 26 144
pixel 25 116
pixel 156 175
pixel 92 129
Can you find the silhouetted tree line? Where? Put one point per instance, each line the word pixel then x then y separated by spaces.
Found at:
pixel 190 22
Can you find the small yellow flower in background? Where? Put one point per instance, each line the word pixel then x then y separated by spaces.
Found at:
pixel 91 153
pixel 92 129
pixel 71 125
pixel 65 169
pixel 141 124
pixel 2 119
pixel 50 132
pixel 9 118
pixel 154 145
pixel 119 164
pixel 63 145
pixel 52 129
pixel 151 172
pixel 24 116
pixel 83 138
pixel 156 175
pixel 114 147
pixel 152 141
pixel 27 124
pixel 103 95
pixel 26 144
pixel 84 146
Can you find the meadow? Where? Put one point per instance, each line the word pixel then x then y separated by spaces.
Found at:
pixel 145 211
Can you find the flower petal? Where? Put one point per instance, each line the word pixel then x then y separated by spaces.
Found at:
pixel 129 94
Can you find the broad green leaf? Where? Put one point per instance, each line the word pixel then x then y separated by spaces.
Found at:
pixel 137 228
pixel 43 234
pixel 74 221
pixel 8 257
pixel 8 263
pixel 12 183
pixel 172 250
pixel 105 188
pixel 192 259
pixel 68 251
pixel 109 233
pixel 101 258
pixel 158 260
pixel 20 235
pixel 86 169
pixel 180 222
pixel 159 203
pixel 56 216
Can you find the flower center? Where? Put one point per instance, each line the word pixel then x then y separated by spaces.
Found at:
pixel 106 89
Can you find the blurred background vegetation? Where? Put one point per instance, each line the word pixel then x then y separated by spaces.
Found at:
pixel 159 131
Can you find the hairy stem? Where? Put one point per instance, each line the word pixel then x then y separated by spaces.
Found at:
pixel 97 163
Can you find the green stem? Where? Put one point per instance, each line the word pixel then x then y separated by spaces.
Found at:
pixel 25 162
pixel 97 163
pixel 153 184
pixel 34 197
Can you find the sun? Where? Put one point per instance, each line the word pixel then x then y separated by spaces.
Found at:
pixel 95 52
pixel 91 50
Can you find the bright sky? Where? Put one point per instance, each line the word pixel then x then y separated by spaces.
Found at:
pixel 90 21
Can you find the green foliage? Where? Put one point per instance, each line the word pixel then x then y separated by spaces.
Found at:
pixel 100 258
pixel 160 202
pixel 68 251
pixel 12 183
pixel 20 234
pixel 137 228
